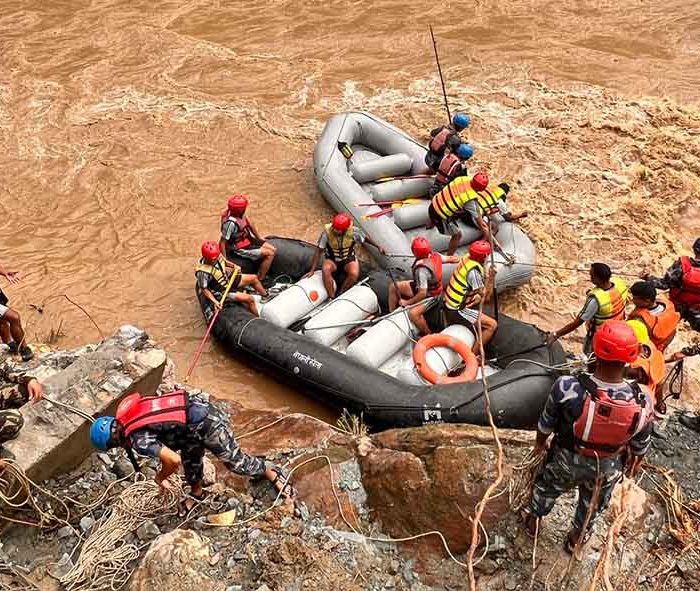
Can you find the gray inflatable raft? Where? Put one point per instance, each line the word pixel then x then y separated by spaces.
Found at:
pixel 389 165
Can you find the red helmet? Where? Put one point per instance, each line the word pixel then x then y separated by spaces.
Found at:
pixel 420 247
pixel 341 222
pixel 210 250
pixel 616 340
pixel 479 250
pixel 237 204
pixel 480 181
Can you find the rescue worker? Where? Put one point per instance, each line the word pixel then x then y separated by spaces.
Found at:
pixel 657 313
pixel 160 426
pixel 465 291
pixel 682 280
pixel 339 240
pixel 240 238
pixel 426 282
pixel 11 331
pixel 445 137
pixel 606 301
pixel 16 389
pixel 595 419
pixel 475 201
pixel 452 165
pixel 213 274
pixel 650 367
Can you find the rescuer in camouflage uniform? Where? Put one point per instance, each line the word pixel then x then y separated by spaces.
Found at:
pixel 16 389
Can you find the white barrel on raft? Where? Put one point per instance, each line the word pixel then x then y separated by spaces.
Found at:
pixel 296 301
pixel 386 166
pixel 400 189
pixel 355 305
pixel 381 341
pixel 408 217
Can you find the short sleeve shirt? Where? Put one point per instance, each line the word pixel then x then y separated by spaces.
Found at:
pixel 589 310
pixel 229 229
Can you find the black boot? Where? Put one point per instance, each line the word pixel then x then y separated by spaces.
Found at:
pixel 13 347
pixel 26 353
pixel 690 421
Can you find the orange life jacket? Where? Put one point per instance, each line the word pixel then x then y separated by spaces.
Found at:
pixel 244 235
pixel 651 361
pixel 606 426
pixel 688 295
pixel 433 262
pixel 661 328
pixel 437 144
pixel 450 167
pixel 135 411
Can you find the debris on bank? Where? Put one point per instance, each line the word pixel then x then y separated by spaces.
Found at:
pixel 356 490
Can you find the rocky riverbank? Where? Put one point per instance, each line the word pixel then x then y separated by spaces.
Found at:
pixel 355 490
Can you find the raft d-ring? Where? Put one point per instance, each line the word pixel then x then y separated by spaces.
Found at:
pixel 471 365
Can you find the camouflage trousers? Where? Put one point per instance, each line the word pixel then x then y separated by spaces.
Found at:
pixel 11 421
pixel 215 435
pixel 564 470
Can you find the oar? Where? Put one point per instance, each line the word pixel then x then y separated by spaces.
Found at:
pixel 393 202
pixel 198 354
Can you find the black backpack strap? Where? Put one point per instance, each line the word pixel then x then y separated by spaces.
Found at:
pixel 588 385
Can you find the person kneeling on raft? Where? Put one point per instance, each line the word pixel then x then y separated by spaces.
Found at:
pixel 467 289
pixel 473 200
pixel 445 137
pixel 239 237
pixel 213 277
pixel 452 165
pixel 339 240
pixel 426 283
pixel 160 426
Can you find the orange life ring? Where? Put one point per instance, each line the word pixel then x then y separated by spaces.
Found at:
pixel 471 365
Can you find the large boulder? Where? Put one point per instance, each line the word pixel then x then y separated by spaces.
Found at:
pixel 175 562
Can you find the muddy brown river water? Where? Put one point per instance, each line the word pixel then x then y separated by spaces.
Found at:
pixel 124 124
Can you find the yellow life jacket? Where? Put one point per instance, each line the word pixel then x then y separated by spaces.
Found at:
pixel 340 246
pixel 458 288
pixel 217 271
pixel 611 302
pixel 452 199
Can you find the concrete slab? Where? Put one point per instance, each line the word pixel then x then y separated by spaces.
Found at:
pixel 93 379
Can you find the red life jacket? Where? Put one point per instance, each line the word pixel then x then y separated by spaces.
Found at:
pixel 434 264
pixel 437 144
pixel 606 426
pixel 136 411
pixel 449 168
pixel 244 236
pixel 688 295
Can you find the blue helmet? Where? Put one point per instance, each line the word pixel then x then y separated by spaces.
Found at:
pixel 101 432
pixel 461 121
pixel 465 151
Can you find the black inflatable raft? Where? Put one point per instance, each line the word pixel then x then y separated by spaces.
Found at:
pixel 518 386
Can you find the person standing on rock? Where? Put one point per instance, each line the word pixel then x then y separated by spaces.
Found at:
pixel 11 331
pixel 606 301
pixel 682 280
pixel 160 426
pixel 15 391
pixel 602 427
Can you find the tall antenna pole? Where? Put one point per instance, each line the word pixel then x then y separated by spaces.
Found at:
pixel 442 80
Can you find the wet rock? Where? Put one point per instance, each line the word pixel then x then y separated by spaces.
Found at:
pixel 62 567
pixel 209 472
pixel 148 530
pixel 86 524
pixel 65 532
pixel 122 468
